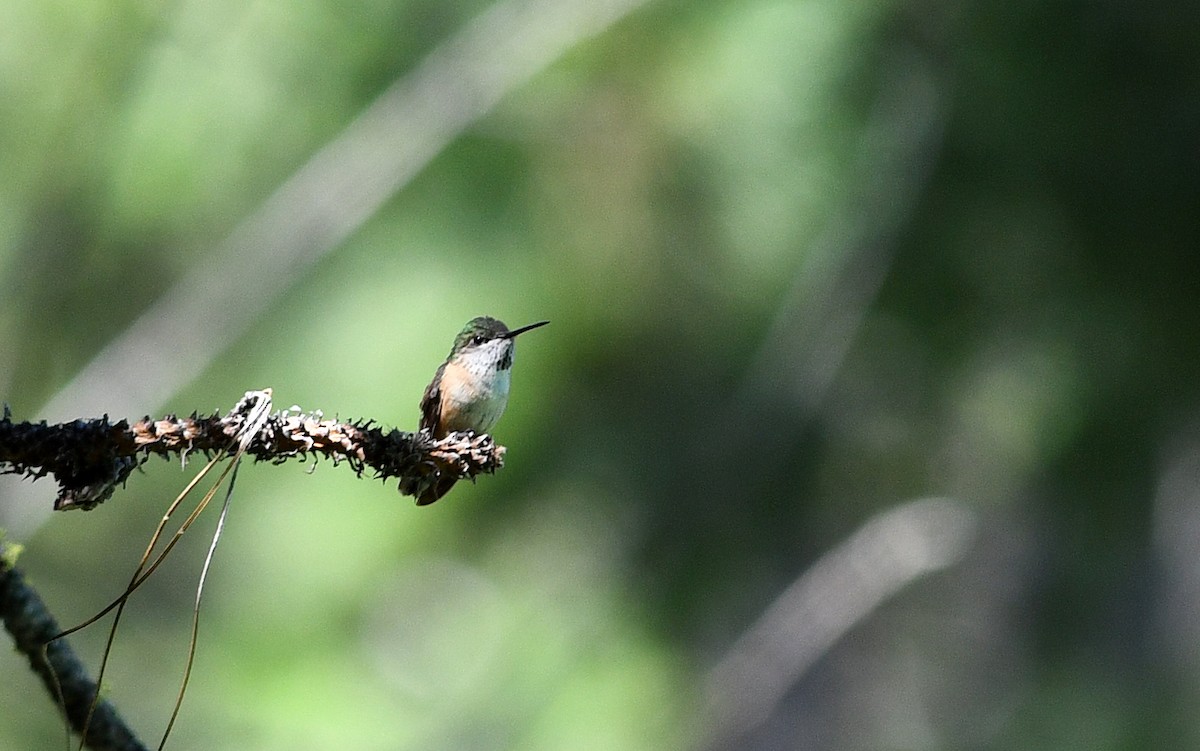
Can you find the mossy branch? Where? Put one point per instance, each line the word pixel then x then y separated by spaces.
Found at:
pixel 90 458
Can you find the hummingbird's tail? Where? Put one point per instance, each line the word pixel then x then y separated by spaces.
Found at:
pixel 435 491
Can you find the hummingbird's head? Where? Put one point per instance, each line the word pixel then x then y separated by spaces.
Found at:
pixel 488 338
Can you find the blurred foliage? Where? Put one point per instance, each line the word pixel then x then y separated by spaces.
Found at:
pixel 804 261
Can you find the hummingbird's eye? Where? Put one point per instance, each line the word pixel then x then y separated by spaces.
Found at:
pixel 477 340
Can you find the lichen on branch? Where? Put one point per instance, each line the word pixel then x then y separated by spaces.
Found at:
pixel 90 458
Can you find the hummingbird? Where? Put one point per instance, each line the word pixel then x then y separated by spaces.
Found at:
pixel 469 391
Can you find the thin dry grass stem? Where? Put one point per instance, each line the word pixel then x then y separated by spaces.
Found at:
pixel 193 638
pixel 139 577
pixel 256 406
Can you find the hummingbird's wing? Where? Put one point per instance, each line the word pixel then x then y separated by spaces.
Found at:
pixel 431 403
pixel 431 418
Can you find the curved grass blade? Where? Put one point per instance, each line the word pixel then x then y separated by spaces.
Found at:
pixel 212 548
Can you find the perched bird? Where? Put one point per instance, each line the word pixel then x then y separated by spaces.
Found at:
pixel 469 391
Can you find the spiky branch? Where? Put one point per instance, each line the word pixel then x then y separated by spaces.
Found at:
pixel 91 458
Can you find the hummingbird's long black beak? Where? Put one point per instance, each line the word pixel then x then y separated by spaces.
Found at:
pixel 523 329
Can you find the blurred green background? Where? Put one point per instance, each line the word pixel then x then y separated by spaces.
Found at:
pixel 805 262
